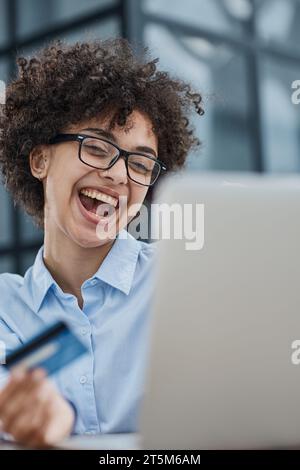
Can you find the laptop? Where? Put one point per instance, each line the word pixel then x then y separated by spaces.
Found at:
pixel 224 362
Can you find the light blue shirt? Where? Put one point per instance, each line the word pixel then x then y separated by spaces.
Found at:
pixel 105 385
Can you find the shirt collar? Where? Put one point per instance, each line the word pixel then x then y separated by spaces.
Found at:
pixel 117 269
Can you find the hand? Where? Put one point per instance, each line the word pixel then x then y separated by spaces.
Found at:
pixel 33 411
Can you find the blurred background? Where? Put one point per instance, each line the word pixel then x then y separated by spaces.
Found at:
pixel 243 55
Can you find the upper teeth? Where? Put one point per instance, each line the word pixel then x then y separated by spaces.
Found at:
pixel 100 196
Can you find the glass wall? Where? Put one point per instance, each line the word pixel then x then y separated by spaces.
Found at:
pixel 36 16
pixel 210 66
pixel 280 118
pixel 243 56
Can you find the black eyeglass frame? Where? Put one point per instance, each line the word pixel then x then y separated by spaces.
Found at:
pixel 60 138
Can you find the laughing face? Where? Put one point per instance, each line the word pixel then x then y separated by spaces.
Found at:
pixel 81 202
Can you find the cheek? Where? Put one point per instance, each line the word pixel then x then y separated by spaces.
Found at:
pixel 137 194
pixel 57 197
pixel 61 188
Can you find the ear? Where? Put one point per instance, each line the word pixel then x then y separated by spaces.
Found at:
pixel 39 162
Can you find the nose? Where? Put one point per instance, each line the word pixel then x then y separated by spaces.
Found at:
pixel 117 173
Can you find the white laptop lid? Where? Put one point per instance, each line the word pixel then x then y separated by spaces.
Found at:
pixel 225 317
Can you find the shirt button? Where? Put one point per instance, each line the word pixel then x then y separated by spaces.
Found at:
pixel 84 331
pixel 83 379
pixel 94 282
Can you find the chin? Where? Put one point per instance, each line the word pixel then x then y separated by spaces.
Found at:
pixel 85 243
pixel 87 238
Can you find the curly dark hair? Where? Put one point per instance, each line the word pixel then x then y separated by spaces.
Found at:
pixel 66 84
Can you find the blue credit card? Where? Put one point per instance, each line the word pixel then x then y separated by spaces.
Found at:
pixel 51 349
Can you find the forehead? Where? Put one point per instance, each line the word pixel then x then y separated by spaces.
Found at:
pixel 138 126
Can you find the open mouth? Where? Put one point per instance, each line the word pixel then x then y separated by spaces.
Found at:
pixel 91 199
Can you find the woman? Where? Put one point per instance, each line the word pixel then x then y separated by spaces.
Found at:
pixel 70 120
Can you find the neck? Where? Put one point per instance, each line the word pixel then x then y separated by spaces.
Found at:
pixel 70 264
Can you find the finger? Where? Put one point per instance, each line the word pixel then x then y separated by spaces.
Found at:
pixel 19 379
pixel 29 424
pixel 13 383
pixel 31 414
pixel 38 436
pixel 20 389
pixel 47 433
pixel 28 391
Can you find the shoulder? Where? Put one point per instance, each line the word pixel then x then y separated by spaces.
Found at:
pixel 10 282
pixel 10 294
pixel 10 285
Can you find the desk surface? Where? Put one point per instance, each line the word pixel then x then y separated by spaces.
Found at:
pixel 97 442
pixel 103 442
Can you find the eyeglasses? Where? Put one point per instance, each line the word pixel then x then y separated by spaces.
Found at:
pixel 102 154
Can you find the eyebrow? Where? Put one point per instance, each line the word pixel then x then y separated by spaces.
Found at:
pixel 110 136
